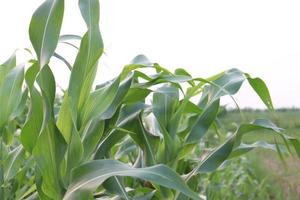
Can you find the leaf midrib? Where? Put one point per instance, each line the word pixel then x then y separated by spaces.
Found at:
pixel 45 30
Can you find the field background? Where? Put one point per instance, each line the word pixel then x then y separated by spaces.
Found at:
pixel 267 176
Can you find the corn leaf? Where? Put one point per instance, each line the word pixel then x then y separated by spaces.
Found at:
pixel 50 145
pixel 11 93
pixel 90 175
pixel 91 48
pixel 31 129
pixel 44 29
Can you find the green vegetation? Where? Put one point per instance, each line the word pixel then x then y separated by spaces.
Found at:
pixel 137 136
pixel 278 180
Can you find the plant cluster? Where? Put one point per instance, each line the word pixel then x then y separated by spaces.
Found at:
pixel 138 136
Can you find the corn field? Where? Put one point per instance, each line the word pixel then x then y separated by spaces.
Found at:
pixel 138 136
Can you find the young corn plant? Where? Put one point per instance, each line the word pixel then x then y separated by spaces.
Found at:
pixel 138 136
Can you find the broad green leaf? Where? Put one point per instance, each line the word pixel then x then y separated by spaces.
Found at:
pixel 262 90
pixel 11 61
pixel 183 72
pixel 98 102
pixel 31 129
pixel 144 139
pixel 204 122
pixel 218 156
pixel 13 162
pixel 22 105
pixel 141 60
pixel 245 148
pixel 126 119
pixel 119 96
pixel 65 122
pixel 136 94
pixel 7 66
pixel 115 185
pixel 38 182
pixel 45 28
pixel 85 66
pixel 11 93
pixel 165 99
pixel 7 133
pixel 126 147
pixel 296 144
pixel 74 154
pixel 91 138
pixel 50 145
pixel 228 84
pixel 92 174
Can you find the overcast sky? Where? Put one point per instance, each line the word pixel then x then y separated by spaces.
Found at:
pixel 261 37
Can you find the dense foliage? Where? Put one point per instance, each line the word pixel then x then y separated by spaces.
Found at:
pixel 138 136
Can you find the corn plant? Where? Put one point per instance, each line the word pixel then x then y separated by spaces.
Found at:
pixel 137 136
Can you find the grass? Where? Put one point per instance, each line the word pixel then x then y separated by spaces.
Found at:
pixel 280 181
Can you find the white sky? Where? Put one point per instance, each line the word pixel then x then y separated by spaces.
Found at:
pixel 261 37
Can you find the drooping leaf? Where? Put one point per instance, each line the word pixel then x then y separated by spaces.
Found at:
pixel 245 148
pixel 45 28
pixel 262 90
pixel 58 56
pixel 218 156
pixel 92 174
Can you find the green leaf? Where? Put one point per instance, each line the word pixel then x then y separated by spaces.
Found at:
pixel 98 102
pixel 85 66
pixel 115 185
pixel 121 93
pixel 165 99
pixel 262 90
pixel 65 122
pixel 31 129
pixel 218 156
pixel 92 137
pixel 92 174
pixel 7 66
pixel 13 162
pixel 22 105
pixel 245 148
pixel 56 55
pixel 11 61
pixel 74 154
pixel 204 122
pixel 126 119
pixel 50 145
pixel 11 93
pixel 136 94
pixel 45 28
pixel 229 83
